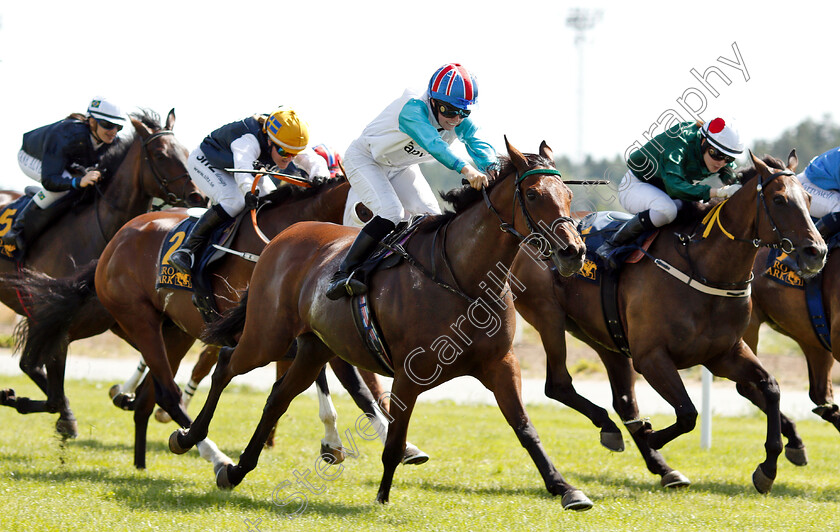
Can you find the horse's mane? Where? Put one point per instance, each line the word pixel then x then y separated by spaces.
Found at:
pixel 692 210
pixel 116 152
pixel 291 192
pixel 465 196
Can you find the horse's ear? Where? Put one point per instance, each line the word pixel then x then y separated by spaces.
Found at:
pixel 793 161
pixel 758 163
pixel 170 119
pixel 141 128
pixel 519 161
pixel 546 152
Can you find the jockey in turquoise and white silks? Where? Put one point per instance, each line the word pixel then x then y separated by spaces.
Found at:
pixel 383 163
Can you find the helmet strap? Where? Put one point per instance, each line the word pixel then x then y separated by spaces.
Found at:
pixel 93 129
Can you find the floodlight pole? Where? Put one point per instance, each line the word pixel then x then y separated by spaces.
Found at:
pixel 581 20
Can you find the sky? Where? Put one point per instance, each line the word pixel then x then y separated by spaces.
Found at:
pixel 340 63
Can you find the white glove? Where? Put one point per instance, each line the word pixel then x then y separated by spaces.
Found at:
pixel 724 192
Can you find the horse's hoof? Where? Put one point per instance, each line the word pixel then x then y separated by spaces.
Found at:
pixel 7 397
pixel 174 445
pixel 219 466
pixel 576 500
pixel 796 456
pixel 332 455
pixel 674 479
pixel 222 480
pixel 762 482
pixel 67 428
pixel 162 416
pixel 114 390
pixel 124 401
pixel 612 441
pixel 413 455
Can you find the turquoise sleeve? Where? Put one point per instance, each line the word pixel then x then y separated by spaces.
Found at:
pixel 481 151
pixel 414 122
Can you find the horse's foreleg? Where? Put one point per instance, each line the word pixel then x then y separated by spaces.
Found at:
pixel 820 389
pixel 504 380
pixel 120 394
pixel 394 450
pixel 302 373
pixel 661 373
pixel 144 403
pixel 741 366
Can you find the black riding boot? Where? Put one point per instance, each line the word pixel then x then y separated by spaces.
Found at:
pixel 342 283
pixel 30 223
pixel 628 232
pixel 829 224
pixel 184 257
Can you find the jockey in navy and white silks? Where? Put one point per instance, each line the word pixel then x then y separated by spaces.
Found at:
pixel 50 152
pixel 257 141
pixel 383 163
pixel 821 179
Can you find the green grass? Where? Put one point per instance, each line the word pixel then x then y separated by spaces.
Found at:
pixel 478 478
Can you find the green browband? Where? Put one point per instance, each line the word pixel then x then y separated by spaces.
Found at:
pixel 550 171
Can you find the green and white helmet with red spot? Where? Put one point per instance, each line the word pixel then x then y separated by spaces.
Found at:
pixel 723 136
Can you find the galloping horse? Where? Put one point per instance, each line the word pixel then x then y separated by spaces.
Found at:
pixel 163 323
pixel 672 323
pixel 436 297
pixel 784 308
pixel 149 163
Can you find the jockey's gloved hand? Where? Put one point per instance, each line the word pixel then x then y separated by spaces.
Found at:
pixel 476 179
pixel 724 192
pixel 251 201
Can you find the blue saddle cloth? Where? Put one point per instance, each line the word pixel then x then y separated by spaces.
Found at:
pixel 168 277
pixel 7 217
pixel 596 228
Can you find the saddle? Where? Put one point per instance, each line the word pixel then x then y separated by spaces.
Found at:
pixel 7 218
pixel 198 283
pixel 388 254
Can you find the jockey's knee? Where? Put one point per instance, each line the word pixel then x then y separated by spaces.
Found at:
pixel 392 213
pixel 663 214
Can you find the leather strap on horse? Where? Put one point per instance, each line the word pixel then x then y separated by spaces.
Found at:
pixel 609 306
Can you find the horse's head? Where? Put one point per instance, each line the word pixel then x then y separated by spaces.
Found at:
pixel 165 173
pixel 783 213
pixel 542 204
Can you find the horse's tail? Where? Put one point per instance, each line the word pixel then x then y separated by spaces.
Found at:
pixel 51 306
pixel 226 329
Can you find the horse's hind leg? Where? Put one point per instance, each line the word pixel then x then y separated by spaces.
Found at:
pixel 144 403
pixel 206 360
pixel 313 354
pixel 503 379
pixel 741 365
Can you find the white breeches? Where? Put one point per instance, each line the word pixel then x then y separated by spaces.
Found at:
pixel 31 166
pixel 636 196
pixel 394 194
pixel 220 186
pixel 822 201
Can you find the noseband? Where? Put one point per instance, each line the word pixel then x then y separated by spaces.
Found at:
pixel 529 221
pixel 163 183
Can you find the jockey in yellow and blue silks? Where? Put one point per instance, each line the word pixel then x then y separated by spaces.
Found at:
pixel 50 152
pixel 383 163
pixel 667 171
pixel 262 141
pixel 821 179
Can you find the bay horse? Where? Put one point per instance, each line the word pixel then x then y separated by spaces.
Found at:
pixel 147 163
pixel 162 323
pixel 417 303
pixel 783 307
pixel 671 325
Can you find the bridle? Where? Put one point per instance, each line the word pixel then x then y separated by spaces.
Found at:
pixel 783 243
pixel 554 245
pixel 162 181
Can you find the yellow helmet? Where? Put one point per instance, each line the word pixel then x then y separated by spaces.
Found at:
pixel 285 129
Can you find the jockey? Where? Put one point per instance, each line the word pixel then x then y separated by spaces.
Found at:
pixel 665 171
pixel 332 157
pixel 50 152
pixel 821 179
pixel 383 163
pixel 255 142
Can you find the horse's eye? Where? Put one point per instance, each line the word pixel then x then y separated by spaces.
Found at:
pixel 779 200
pixel 531 195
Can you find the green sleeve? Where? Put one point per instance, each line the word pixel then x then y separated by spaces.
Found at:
pixel 678 187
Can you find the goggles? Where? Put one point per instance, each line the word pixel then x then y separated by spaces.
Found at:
pixel 449 111
pixel 109 126
pixel 718 155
